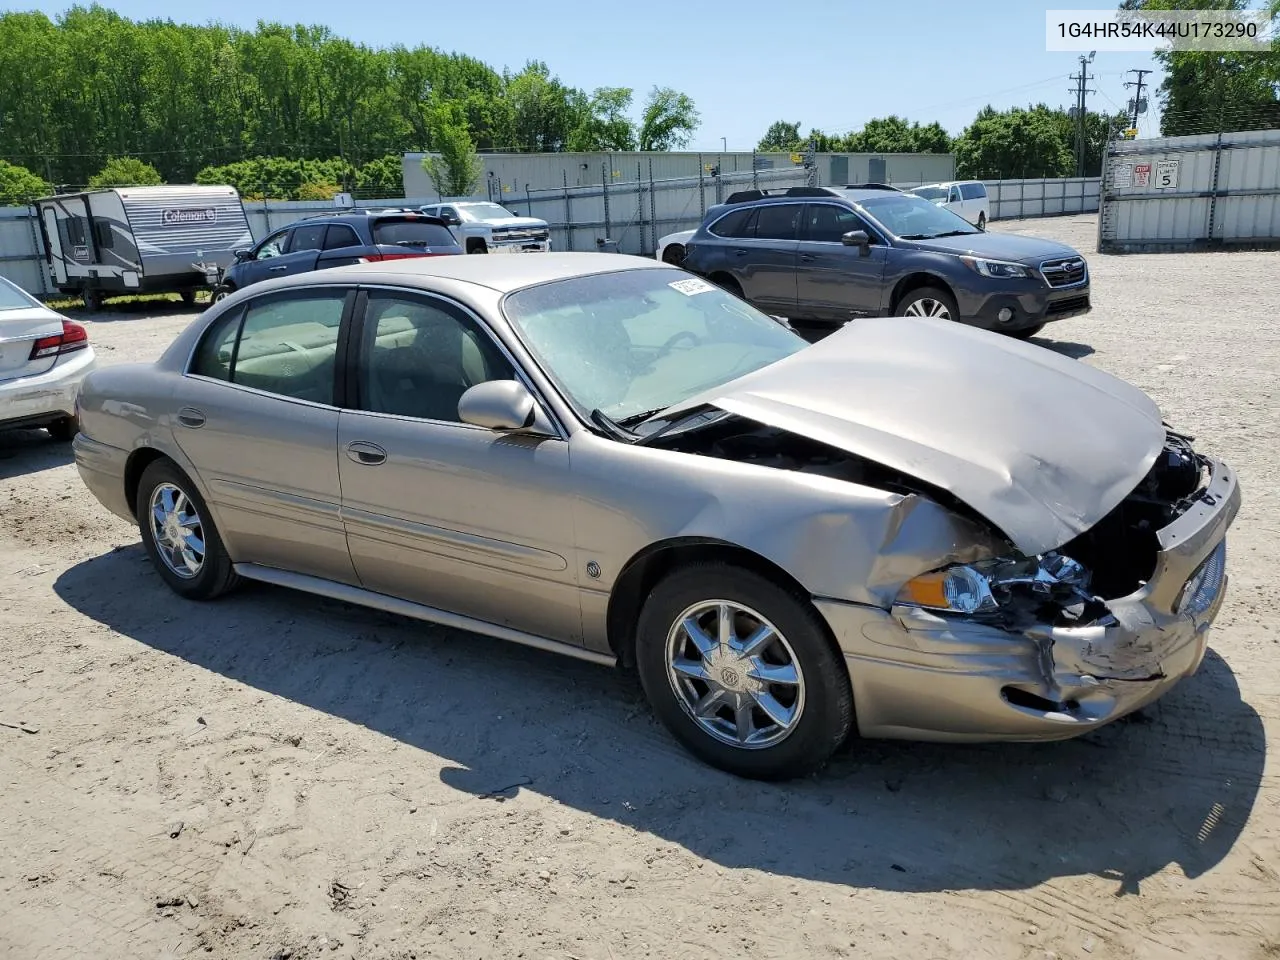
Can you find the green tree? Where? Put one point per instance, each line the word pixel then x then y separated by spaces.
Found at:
pixel 126 172
pixel 669 120
pixel 19 186
pixel 456 170
pixel 381 178
pixel 603 123
pixel 894 134
pixel 781 137
pixel 1014 143
pixel 543 109
pixel 1208 91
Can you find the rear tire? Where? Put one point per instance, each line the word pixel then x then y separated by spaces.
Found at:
pixel 64 430
pixel 179 536
pixel 790 699
pixel 982 221
pixel 928 302
pixel 728 285
pixel 188 297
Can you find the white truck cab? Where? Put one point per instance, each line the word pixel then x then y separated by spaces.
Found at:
pixel 486 227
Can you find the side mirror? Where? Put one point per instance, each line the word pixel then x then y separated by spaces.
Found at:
pixel 856 238
pixel 243 255
pixel 501 405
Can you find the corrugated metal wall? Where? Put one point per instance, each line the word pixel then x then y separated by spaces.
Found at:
pixel 508 175
pixel 1184 193
pixel 635 214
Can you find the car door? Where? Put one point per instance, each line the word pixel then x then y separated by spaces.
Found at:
pixel 258 422
pixel 766 263
pixel 304 248
pixel 261 263
pixel 955 201
pixel 342 247
pixel 441 512
pixel 836 282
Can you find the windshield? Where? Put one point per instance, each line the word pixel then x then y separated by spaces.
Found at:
pixel 14 298
pixel 910 217
pixel 637 341
pixel 930 193
pixel 484 211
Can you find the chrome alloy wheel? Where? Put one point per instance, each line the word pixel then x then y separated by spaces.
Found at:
pixel 177 530
pixel 735 674
pixel 928 307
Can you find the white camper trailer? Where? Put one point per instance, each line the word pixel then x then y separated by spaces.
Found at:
pixel 124 240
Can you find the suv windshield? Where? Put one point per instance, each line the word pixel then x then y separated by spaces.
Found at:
pixel 12 297
pixel 930 193
pixel 910 217
pixel 411 233
pixel 637 341
pixel 484 211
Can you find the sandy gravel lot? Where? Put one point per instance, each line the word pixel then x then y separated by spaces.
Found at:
pixel 280 776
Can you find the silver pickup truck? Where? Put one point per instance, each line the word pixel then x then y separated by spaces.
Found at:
pixel 485 227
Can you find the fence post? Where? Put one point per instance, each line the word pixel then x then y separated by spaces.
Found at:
pixel 266 214
pixel 702 187
pixel 640 204
pixel 528 201
pixel 1213 191
pixel 653 208
pixel 755 173
pixel 33 217
pixel 604 183
pixel 568 212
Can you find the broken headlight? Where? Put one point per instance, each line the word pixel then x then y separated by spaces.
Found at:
pixel 977 588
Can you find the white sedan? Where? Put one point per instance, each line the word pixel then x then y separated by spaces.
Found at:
pixel 43 359
pixel 671 247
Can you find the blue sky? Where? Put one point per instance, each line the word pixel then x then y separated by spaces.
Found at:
pixel 829 63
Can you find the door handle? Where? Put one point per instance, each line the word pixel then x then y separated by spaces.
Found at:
pixel 807 258
pixel 369 454
pixel 190 417
pixel 277 269
pixel 740 253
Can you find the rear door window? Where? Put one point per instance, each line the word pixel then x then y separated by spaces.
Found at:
pixel 339 236
pixel 973 191
pixel 778 222
pixel 411 233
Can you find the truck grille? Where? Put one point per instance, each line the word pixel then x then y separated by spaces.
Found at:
pixel 521 234
pixel 1064 273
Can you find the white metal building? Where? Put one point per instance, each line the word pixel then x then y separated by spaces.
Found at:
pixel 511 175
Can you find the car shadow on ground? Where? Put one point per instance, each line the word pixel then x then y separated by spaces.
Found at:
pixel 113 312
pixel 31 451
pixel 1068 348
pixel 1174 785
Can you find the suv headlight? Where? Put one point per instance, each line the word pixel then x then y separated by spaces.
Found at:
pixel 978 588
pixel 996 269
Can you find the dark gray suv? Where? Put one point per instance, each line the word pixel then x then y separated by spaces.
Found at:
pixel 827 254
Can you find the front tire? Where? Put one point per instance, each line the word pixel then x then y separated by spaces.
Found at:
pixel 673 254
pixel 179 535
pixel 477 246
pixel 220 292
pixel 931 302
pixel 743 672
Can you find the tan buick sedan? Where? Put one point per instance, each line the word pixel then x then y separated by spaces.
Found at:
pixel 913 529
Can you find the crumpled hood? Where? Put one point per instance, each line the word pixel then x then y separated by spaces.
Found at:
pixel 1041 445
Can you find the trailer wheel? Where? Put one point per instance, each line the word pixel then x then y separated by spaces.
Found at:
pixel 188 297
pixel 92 300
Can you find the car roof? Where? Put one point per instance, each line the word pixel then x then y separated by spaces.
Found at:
pixel 499 273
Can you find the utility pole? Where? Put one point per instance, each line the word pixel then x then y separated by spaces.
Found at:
pixel 1081 91
pixel 1139 106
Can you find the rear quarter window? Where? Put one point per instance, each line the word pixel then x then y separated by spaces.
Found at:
pixel 973 191
pixel 412 233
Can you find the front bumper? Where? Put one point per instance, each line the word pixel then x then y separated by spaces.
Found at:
pixel 497 245
pixel 1027 308
pixel 39 400
pixel 917 675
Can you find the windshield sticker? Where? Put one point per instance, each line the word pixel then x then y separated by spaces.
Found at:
pixel 692 286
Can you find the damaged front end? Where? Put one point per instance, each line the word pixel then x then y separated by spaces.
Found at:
pixel 1045 646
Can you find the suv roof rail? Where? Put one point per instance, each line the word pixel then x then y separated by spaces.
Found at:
pixel 871 186
pixel 746 196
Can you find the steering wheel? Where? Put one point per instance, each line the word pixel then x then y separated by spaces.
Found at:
pixel 674 339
